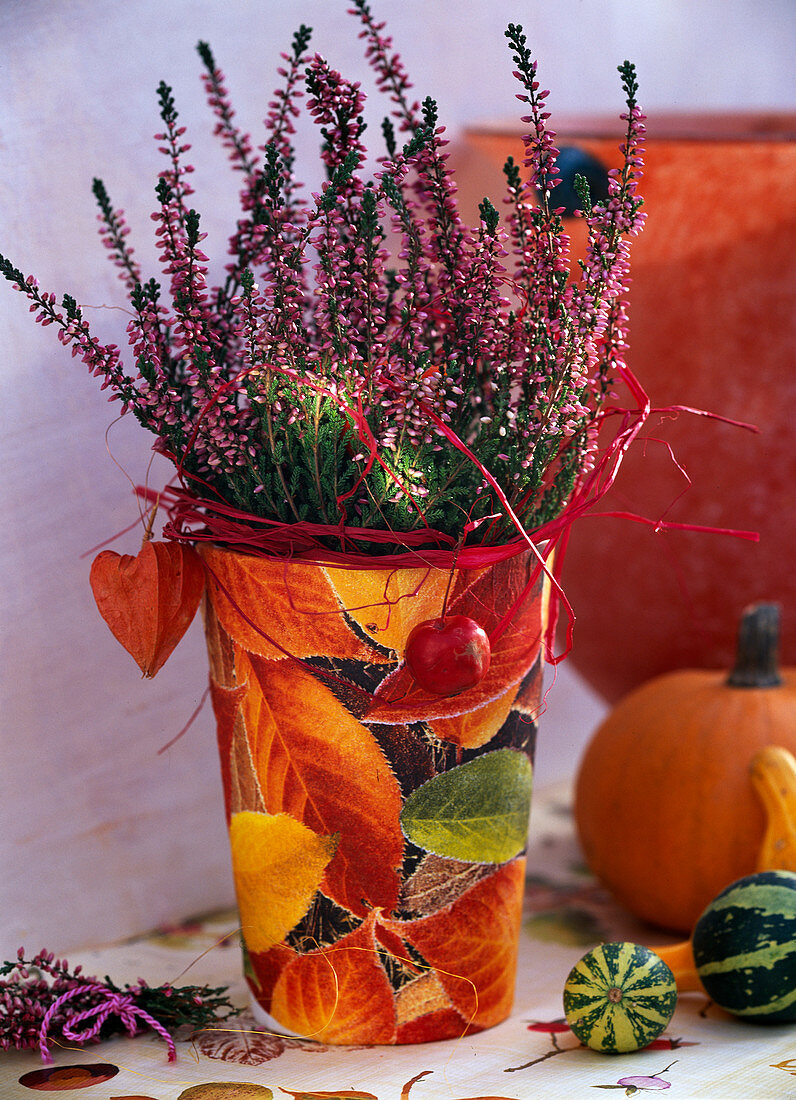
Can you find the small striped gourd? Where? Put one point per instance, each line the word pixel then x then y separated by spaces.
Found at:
pixel 745 947
pixel 619 997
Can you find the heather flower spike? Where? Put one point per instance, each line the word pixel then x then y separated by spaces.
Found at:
pixel 369 360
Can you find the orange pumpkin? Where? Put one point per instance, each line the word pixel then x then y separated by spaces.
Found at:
pixel 666 811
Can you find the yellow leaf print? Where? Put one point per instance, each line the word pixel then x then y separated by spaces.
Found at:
pixel 278 864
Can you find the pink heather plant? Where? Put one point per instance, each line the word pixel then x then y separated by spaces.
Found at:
pixel 370 361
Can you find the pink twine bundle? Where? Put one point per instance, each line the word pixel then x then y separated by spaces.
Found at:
pixel 112 1004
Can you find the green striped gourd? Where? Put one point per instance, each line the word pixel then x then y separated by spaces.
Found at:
pixel 745 947
pixel 619 997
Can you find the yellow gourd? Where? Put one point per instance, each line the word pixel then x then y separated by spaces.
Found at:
pixel 773 774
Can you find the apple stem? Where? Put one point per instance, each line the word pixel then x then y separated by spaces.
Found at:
pixel 150 523
pixel 456 550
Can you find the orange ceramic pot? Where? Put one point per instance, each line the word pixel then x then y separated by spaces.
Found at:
pixel 712 326
pixel 377 831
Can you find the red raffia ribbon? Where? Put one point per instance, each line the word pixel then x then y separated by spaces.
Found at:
pixel 195 518
pixel 112 1004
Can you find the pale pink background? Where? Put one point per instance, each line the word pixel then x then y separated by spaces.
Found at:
pixel 99 836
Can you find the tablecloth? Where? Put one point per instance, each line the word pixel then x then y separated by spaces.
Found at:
pixel 531 1056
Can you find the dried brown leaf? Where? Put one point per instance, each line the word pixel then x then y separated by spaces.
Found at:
pixel 439 881
pixel 241 1040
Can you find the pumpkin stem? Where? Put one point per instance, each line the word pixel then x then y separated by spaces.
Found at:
pixel 757 657
pixel 679 957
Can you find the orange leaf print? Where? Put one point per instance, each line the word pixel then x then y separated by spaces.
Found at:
pixel 263 969
pixel 476 727
pixel 338 992
pixel 220 648
pixel 426 1072
pixel 278 609
pixel 424 1012
pixel 337 1094
pixel 387 603
pixel 238 776
pixel 317 763
pixel 472 944
pixel 484 595
pixel 149 600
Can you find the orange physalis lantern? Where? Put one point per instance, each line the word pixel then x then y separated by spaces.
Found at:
pixel 149 600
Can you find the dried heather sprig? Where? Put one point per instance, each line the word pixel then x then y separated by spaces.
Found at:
pixel 43 990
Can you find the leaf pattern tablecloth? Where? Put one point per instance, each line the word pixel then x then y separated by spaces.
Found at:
pixel 532 1056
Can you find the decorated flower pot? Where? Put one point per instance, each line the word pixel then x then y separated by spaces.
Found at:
pixel 377 829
